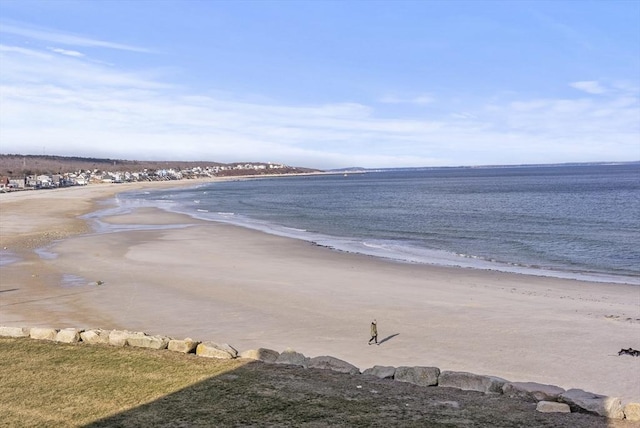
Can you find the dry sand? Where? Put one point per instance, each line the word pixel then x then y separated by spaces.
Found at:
pixel 211 281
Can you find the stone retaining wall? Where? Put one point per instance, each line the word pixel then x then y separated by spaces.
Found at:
pixel 549 398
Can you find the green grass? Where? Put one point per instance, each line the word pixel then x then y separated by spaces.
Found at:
pixel 47 384
pixel 52 384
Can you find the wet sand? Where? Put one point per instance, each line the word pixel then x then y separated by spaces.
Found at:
pixel 212 281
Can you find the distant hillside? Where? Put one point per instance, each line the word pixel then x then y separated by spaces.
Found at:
pixel 17 166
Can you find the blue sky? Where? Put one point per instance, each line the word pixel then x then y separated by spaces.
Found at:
pixel 323 84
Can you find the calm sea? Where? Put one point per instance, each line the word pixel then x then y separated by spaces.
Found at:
pixel 564 221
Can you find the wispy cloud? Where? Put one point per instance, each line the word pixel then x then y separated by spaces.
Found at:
pixel 66 52
pixel 590 87
pixel 23 51
pixel 419 99
pixel 54 36
pixel 22 65
pixel 85 108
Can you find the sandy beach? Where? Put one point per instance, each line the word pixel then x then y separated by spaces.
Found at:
pixel 212 281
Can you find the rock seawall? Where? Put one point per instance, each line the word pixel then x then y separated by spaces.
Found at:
pixel 549 398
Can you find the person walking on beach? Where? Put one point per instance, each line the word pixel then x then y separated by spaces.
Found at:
pixel 374 332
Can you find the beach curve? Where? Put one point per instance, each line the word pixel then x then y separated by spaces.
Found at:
pixel 219 282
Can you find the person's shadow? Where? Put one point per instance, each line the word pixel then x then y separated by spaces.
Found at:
pixel 388 338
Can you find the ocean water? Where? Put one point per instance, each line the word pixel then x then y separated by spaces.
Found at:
pixel 579 222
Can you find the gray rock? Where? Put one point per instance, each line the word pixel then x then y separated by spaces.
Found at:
pixel 14 332
pixel 141 340
pixel 552 407
pixel 471 382
pixel 532 391
pixel 423 376
pixel 382 372
pixel 68 335
pixel 43 333
pixel 119 337
pixel 185 346
pixel 261 354
pixel 331 363
pixel 214 350
pixel 582 401
pixel 293 358
pixel 632 411
pixel 95 337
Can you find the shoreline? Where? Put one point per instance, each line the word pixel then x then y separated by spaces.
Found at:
pixel 350 245
pixel 224 283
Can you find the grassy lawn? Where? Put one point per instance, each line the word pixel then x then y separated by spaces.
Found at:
pixel 52 384
pixel 47 384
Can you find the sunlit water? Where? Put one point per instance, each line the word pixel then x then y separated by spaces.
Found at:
pixel 565 221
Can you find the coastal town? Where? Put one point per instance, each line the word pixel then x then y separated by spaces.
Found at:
pixel 116 173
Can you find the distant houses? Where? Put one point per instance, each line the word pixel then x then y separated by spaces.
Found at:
pixel 83 178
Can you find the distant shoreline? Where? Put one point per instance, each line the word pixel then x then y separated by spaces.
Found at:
pixel 418 255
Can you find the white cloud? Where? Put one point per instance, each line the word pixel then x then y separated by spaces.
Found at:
pixel 55 36
pixel 67 52
pixel 23 51
pixel 419 100
pixel 590 87
pixel 73 106
pixel 21 65
pixel 462 115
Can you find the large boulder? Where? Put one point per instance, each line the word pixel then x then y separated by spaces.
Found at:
pixel 331 363
pixel 215 350
pixel 632 412
pixel 583 401
pixel 471 382
pixel 532 391
pixel 142 340
pixel 382 372
pixel 43 333
pixel 293 358
pixel 261 354
pixel 423 376
pixel 95 336
pixel 186 346
pixel 552 407
pixel 119 337
pixel 14 332
pixel 68 335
